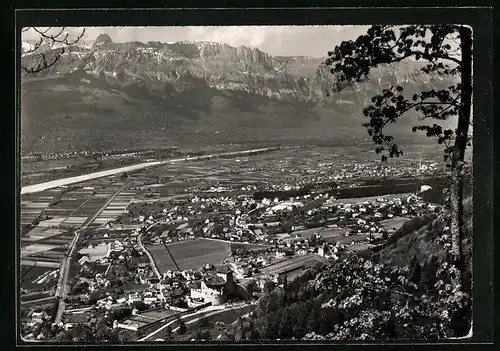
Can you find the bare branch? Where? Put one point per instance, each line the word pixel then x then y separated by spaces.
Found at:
pixel 45 31
pixel 44 64
pixel 44 60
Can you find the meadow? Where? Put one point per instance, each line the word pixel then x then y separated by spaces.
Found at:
pixel 297 262
pixel 49 218
pixel 29 274
pixel 162 258
pixel 193 254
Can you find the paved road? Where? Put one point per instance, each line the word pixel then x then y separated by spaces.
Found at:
pixel 194 320
pixel 62 286
pixel 82 178
pixel 152 261
pixel 203 313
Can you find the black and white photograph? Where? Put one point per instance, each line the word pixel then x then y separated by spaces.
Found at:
pixel 246 183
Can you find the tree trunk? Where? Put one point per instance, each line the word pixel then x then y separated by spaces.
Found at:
pixel 456 188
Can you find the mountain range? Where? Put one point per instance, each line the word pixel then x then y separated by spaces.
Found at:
pixel 137 93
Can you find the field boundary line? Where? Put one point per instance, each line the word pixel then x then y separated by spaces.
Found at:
pixel 172 257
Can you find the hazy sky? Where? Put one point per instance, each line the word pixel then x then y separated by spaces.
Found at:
pixel 313 41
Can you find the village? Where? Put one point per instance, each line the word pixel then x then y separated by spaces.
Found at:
pixel 148 261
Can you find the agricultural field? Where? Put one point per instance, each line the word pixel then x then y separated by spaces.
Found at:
pixel 33 296
pixel 136 209
pixel 61 211
pixel 45 246
pixel 249 247
pixel 394 224
pixel 333 234
pixel 193 254
pixel 253 174
pixel 163 259
pixel 33 205
pixel 67 206
pixel 160 313
pixel 370 199
pixel 285 164
pixel 327 233
pixel 294 263
pixel 353 239
pixel 30 275
pixel 138 321
pixel 177 178
pixel 131 287
pixel 307 233
pixel 116 207
pixel 106 235
pixel 39 233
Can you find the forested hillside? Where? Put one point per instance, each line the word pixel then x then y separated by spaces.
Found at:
pixel 404 291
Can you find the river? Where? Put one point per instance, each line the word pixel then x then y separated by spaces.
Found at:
pixel 35 188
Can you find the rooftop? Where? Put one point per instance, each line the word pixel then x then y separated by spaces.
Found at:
pixel 214 281
pixel 223 269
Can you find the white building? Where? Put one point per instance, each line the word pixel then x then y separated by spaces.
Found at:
pixel 214 288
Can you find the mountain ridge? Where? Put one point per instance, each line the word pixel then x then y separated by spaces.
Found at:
pixel 183 86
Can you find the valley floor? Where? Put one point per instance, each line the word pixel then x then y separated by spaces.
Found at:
pixel 164 233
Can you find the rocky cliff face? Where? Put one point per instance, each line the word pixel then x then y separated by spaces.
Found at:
pixel 193 85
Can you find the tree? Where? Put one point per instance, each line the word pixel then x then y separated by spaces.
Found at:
pixel 202 323
pixel 103 333
pixel 202 335
pixel 182 328
pixel 198 335
pixel 269 286
pixel 79 288
pixel 122 313
pixel 168 333
pixel 220 326
pixel 140 306
pixel 79 333
pixel 254 335
pixel 416 271
pixel 429 272
pixel 181 303
pixel 352 62
pixel 227 335
pixel 252 287
pixel 42 58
